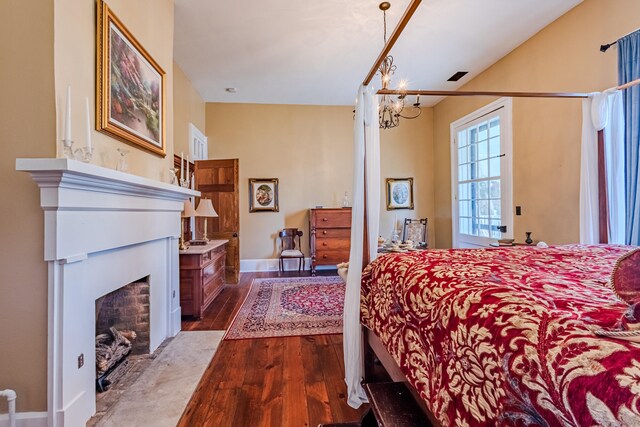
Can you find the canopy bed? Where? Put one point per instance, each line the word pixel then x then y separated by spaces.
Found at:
pixel 496 336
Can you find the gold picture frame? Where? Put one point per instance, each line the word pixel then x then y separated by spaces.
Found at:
pixel 130 87
pixel 263 195
pixel 399 193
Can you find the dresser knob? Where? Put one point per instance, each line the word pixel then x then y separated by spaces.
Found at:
pixel 324 231
pixel 325 219
pixel 324 243
pixel 324 256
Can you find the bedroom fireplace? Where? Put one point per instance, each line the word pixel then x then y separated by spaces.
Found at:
pixel 103 229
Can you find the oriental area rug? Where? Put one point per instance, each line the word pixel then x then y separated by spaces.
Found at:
pixel 290 306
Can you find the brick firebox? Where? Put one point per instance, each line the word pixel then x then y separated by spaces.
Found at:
pixel 126 308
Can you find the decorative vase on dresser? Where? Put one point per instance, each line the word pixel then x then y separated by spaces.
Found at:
pixel 330 231
pixel 202 273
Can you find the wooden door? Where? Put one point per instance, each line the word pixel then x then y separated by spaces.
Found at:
pixel 218 180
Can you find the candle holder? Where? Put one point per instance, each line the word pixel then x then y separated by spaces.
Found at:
pixel 83 154
pixel 122 164
pixel 186 183
pixel 67 149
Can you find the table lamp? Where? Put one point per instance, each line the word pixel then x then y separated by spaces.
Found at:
pixel 187 212
pixel 205 209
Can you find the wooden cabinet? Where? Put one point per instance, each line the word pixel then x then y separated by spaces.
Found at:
pixel 202 276
pixel 330 231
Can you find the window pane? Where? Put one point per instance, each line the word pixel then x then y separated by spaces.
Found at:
pixel 463 173
pixel 483 190
pixel 483 208
pixel 462 138
pixel 482 132
pixel 496 209
pixel 483 227
pixel 495 189
pixel 465 225
pixel 473 150
pixel 483 152
pixel 464 208
pixel 494 127
pixel 483 169
pixel 463 191
pixel 473 134
pixel 494 147
pixel 462 155
pixel 494 167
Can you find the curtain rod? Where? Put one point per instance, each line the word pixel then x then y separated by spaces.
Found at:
pixel 605 47
pixel 392 40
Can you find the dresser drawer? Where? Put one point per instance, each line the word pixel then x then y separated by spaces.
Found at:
pixel 333 244
pixel 341 233
pixel 327 256
pixel 212 287
pixel 333 219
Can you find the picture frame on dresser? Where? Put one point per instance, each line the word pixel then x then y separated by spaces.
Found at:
pixel 130 86
pixel 263 195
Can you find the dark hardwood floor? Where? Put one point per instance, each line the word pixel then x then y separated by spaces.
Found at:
pixel 287 381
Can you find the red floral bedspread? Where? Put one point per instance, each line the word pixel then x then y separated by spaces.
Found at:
pixel 504 336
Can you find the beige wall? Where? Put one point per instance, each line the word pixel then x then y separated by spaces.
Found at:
pixel 27 129
pixel 35 72
pixel 564 56
pixel 309 149
pixel 151 23
pixel 188 107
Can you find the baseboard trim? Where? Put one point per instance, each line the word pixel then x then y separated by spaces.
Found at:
pixel 26 419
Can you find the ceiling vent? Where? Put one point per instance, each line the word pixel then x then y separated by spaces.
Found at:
pixel 457 76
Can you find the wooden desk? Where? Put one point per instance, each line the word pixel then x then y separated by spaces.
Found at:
pixel 202 274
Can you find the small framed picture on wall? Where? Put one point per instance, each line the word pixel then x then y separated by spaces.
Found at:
pixel 263 195
pixel 399 193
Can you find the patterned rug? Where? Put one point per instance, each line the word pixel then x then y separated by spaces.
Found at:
pixel 290 306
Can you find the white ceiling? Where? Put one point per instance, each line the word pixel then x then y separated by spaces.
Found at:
pixel 318 52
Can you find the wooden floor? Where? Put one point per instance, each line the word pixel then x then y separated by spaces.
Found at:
pixel 286 381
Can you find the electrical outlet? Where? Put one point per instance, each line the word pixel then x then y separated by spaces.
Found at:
pixel 518 210
pixel 81 360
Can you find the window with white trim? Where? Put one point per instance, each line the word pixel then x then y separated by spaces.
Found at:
pixel 481 176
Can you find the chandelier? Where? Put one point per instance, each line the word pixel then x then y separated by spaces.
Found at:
pixel 391 108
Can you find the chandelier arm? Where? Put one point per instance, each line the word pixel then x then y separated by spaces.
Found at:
pixel 413 117
pixel 392 40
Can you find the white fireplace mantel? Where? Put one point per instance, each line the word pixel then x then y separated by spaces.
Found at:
pixel 103 230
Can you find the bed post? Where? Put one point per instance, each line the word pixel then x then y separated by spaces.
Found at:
pixel 603 208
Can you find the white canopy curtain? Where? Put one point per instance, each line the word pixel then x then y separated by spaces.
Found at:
pixel 366 141
pixel 602 111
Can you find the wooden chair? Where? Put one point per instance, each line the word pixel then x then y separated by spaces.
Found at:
pixel 288 250
pixel 416 231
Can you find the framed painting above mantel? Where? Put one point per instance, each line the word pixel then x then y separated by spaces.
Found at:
pixel 130 87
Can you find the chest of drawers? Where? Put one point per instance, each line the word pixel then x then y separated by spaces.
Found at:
pixel 202 273
pixel 330 231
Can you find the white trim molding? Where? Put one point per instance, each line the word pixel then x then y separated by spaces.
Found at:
pixel 506 164
pixel 26 419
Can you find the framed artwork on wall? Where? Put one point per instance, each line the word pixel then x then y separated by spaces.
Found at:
pixel 130 87
pixel 263 195
pixel 399 193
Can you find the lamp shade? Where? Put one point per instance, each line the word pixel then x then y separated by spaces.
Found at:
pixel 187 210
pixel 205 208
